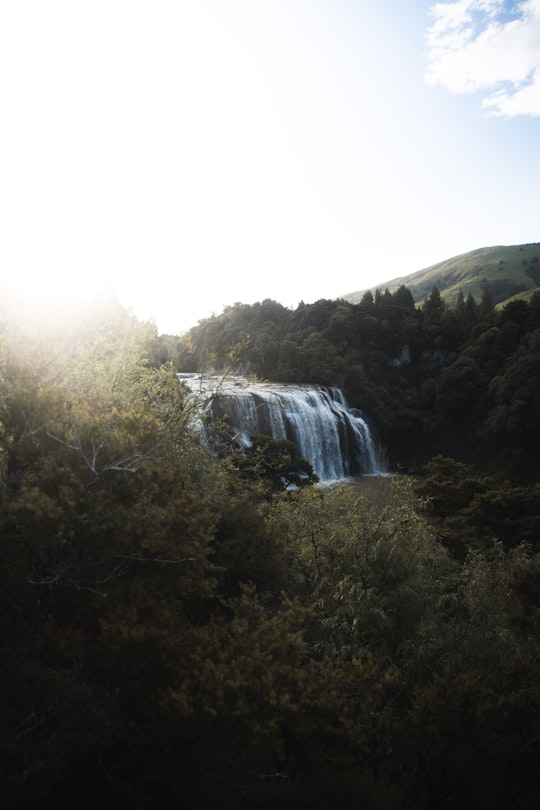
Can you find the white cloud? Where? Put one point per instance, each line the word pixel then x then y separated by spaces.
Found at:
pixel 485 46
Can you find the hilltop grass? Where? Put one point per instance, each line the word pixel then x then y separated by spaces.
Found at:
pixel 508 271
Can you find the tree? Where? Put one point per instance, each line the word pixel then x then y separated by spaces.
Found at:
pixel 366 568
pixel 471 310
pixel 367 301
pixel 276 462
pixel 487 303
pixel 106 535
pixel 433 308
pixel 403 298
pixel 461 390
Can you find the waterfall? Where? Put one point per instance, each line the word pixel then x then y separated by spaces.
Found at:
pixel 333 438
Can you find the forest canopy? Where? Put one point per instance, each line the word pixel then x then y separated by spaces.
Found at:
pixel 177 630
pixel 459 380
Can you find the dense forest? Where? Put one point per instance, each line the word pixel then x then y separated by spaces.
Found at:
pixel 461 381
pixel 178 631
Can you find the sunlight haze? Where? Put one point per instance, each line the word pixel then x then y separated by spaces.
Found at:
pixel 197 153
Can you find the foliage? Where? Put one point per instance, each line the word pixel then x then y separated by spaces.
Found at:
pixel 371 570
pixel 457 380
pixel 276 462
pixel 179 629
pixel 470 510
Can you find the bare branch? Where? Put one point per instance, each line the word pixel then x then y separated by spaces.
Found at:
pixel 60 574
pixel 130 463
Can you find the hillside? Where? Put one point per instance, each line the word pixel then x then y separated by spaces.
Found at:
pixel 509 271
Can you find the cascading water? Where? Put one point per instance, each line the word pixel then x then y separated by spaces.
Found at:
pixel 333 438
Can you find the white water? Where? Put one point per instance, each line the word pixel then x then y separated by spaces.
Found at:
pixel 335 440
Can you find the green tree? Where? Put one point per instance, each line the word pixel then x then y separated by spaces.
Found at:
pixel 433 308
pixel 366 567
pixel 487 303
pixel 276 462
pixel 106 535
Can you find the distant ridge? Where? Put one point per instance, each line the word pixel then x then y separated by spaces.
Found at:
pixel 509 271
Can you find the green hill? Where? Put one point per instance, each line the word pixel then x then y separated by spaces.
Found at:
pixel 509 271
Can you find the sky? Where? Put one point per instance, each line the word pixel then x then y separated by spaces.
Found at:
pixel 191 154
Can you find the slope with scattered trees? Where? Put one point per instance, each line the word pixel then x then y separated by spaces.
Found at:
pixel 507 270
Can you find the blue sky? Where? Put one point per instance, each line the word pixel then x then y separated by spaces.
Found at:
pixel 196 153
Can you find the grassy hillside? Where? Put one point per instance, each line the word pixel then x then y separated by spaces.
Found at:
pixel 509 271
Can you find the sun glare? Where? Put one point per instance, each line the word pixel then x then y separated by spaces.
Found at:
pixel 50 298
